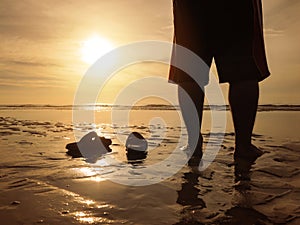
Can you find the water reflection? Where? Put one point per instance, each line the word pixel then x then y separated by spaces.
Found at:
pixel 189 194
pixel 136 157
pixel 93 212
pixel 246 216
pixel 243 212
pixel 87 218
pixel 240 210
pixel 242 170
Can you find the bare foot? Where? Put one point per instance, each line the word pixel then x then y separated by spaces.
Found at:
pixel 250 153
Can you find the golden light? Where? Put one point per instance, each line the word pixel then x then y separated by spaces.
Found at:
pixel 95 47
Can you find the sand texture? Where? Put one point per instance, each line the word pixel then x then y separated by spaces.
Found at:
pixel 40 184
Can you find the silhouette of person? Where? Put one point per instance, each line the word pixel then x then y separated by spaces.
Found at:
pixel 231 32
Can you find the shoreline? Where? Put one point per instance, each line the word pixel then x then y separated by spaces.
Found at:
pixel 41 184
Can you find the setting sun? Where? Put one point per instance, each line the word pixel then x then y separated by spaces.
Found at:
pixel 94 47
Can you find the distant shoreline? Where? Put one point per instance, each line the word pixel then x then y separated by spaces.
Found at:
pixel 99 107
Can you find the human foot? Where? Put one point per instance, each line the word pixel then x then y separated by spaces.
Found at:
pixel 249 153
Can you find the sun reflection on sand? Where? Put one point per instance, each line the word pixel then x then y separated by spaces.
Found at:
pixel 93 215
pixel 89 202
pixel 86 171
pixel 80 214
pixel 83 217
pixel 92 173
pixel 88 218
pixel 98 179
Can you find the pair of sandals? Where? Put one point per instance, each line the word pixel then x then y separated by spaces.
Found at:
pixel 91 147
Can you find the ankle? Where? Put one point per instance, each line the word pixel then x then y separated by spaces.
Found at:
pixel 243 145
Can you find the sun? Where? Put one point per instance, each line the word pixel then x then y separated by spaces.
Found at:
pixel 94 47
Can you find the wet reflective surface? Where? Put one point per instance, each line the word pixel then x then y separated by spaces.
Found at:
pixel 41 184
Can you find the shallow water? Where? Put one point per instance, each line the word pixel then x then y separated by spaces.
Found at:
pixel 41 184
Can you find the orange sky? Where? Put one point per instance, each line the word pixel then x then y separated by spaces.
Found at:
pixel 41 41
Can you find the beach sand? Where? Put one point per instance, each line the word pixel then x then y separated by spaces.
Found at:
pixel 40 184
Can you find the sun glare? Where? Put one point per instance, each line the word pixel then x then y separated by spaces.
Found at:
pixel 93 48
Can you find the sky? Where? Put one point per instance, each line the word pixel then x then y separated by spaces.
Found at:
pixel 42 45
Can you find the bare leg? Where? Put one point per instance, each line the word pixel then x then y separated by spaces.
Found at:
pixel 243 99
pixel 197 95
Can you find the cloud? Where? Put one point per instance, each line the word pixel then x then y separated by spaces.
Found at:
pixel 16 77
pixel 282 15
pixel 40 39
pixel 29 64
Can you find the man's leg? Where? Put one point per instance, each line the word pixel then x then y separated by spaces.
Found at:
pixel 196 94
pixel 243 99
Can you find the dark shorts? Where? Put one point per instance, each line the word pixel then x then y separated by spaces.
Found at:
pixel 228 31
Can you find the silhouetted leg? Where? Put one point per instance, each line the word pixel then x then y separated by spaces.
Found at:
pixel 243 99
pixel 197 95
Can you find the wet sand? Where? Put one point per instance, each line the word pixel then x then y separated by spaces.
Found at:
pixel 40 184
